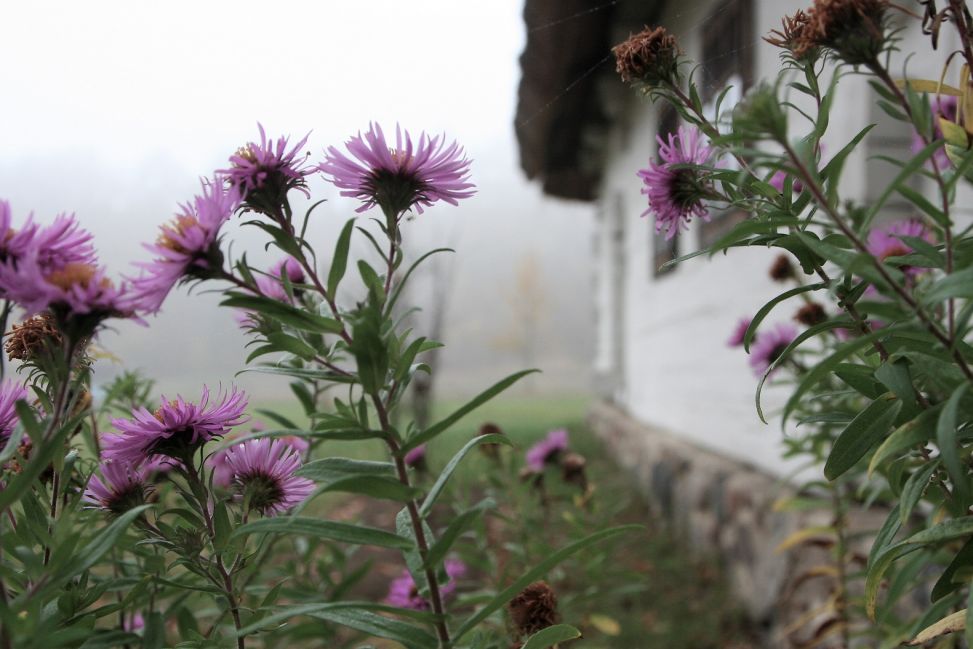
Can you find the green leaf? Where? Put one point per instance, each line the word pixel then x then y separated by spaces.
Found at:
pixel 44 451
pixel 285 313
pixel 456 526
pixel 450 467
pixel 549 637
pixel 861 434
pixel 769 306
pixel 376 487
pixel 945 584
pixel 473 404
pixel 896 377
pixel 958 284
pixel 330 469
pixel 340 260
pixel 946 439
pixel 335 531
pixel 913 489
pixel 99 545
pixel 349 614
pixel 535 573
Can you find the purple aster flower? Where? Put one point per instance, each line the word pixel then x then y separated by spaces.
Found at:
pixel 10 393
pixel 547 450
pixel 769 345
pixel 411 175
pixel 777 182
pixel 739 333
pixel 404 593
pixel 885 242
pixel 71 292
pixel 674 187
pixel 135 623
pixel 56 245
pixel 119 487
pixel 188 246
pixel 942 107
pixel 265 172
pixel 263 472
pixel 177 428
pixel 272 284
pixel 223 473
pixel 416 458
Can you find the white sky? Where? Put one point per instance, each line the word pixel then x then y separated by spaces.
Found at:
pixel 113 110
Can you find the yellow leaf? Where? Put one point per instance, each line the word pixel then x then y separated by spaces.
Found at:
pixel 800 536
pixel 925 85
pixel 949 624
pixel 954 133
pixel 605 624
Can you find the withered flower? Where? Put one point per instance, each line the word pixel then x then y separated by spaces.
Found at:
pixel 650 57
pixel 573 468
pixel 490 449
pixel 853 29
pixel 811 314
pixel 534 608
pixel 791 36
pixel 31 337
pixel 781 270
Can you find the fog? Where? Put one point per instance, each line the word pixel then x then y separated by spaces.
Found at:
pixel 113 110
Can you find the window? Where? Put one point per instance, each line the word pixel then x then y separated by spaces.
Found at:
pixel 727 60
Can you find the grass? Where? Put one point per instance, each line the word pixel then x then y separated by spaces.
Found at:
pixel 644 590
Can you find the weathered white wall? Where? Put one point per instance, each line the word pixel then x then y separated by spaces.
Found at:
pixel 675 371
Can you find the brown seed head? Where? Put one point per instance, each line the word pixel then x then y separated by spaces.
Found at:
pixel 791 35
pixel 650 57
pixel 573 465
pixel 781 270
pixel 811 314
pixel 490 449
pixel 534 608
pixel 853 29
pixel 28 339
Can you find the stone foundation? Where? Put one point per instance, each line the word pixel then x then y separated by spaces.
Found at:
pixel 726 508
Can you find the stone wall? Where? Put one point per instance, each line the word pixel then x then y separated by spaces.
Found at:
pixel 727 508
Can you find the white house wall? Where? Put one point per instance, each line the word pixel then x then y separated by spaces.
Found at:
pixel 662 351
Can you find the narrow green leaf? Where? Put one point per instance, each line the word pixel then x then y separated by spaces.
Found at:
pixel 330 469
pixel 473 404
pixel 945 584
pixel 456 526
pixel 861 434
pixel 913 489
pixel 386 488
pixel 769 306
pixel 335 531
pixel 946 439
pixel 450 467
pixel 549 637
pixel 340 260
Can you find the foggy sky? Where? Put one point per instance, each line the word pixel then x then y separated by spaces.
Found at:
pixel 113 110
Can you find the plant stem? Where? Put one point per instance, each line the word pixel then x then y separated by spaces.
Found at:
pixel 415 519
pixel 822 201
pixel 199 492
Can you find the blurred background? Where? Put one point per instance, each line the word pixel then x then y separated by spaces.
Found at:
pixel 113 111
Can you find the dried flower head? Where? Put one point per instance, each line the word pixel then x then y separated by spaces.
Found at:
pixel 852 29
pixel 32 337
pixel 650 57
pixel 781 270
pixel 490 449
pixel 811 314
pixel 791 36
pixel 534 608
pixel 573 468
